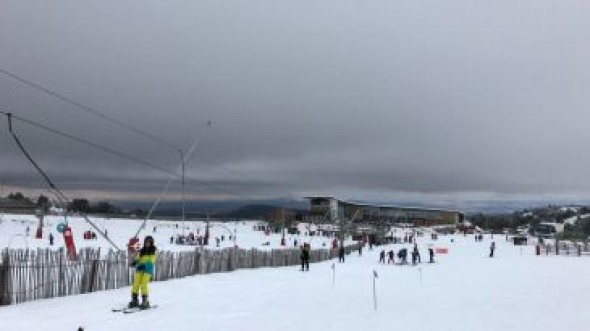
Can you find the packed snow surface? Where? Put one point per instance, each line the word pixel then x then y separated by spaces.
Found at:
pixel 464 290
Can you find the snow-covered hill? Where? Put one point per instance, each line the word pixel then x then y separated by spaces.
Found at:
pixel 14 234
pixel 464 290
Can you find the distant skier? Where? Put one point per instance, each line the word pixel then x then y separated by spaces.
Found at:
pixel 492 248
pixel 391 257
pixel 382 257
pixel 341 252
pixel 305 257
pixel 416 254
pixel 51 239
pixel 402 254
pixel 431 253
pixel 144 271
pixel 360 250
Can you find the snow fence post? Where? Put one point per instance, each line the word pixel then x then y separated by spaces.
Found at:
pixel 420 274
pixel 374 289
pixel 333 274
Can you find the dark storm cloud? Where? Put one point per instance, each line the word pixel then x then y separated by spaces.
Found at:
pixel 347 98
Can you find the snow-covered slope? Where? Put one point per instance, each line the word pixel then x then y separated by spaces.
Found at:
pixel 13 233
pixel 464 290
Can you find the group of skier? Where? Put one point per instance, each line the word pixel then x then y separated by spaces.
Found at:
pixel 402 256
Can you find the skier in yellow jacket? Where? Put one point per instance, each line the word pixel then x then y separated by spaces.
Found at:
pixel 144 271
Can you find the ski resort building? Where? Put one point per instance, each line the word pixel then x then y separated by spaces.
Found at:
pixel 332 210
pixel 11 206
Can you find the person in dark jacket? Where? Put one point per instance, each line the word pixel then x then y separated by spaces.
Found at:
pixel 341 253
pixel 382 257
pixel 431 253
pixel 402 255
pixel 492 248
pixel 416 254
pixel 305 257
pixel 390 255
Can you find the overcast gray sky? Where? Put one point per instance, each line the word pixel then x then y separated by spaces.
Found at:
pixel 357 99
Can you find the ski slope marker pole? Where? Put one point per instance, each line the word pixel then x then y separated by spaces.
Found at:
pixel 333 275
pixel 375 276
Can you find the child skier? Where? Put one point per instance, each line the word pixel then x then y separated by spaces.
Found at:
pixel 144 271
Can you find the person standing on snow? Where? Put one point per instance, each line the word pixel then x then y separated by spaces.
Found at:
pixel 391 257
pixel 305 257
pixel 144 272
pixel 402 255
pixel 382 257
pixel 341 252
pixel 416 253
pixel 492 248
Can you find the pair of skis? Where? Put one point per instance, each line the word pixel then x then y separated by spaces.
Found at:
pixel 127 310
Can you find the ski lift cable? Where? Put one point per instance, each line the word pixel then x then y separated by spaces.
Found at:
pixel 90 143
pixel 86 108
pixel 89 109
pixel 58 193
pixel 185 157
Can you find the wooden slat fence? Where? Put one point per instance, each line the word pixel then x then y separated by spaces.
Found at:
pixel 566 248
pixel 27 275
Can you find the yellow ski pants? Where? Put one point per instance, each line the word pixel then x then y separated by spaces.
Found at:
pixel 140 283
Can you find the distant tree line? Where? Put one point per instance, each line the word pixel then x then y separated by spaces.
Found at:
pixel 101 207
pixel 77 205
pixel 42 201
pixel 580 229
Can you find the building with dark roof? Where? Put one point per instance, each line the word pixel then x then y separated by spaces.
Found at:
pixel 11 206
pixel 330 210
